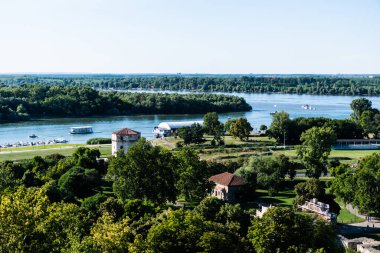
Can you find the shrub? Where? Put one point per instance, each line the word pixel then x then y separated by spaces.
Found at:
pixel 94 141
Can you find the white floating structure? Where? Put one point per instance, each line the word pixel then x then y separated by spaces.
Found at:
pixel 168 128
pixel 81 130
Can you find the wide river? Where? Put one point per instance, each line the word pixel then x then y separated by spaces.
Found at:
pixel 337 107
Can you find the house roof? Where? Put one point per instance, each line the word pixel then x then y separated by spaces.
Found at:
pixel 126 131
pixel 178 124
pixel 227 179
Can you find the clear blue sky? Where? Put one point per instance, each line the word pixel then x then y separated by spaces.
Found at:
pixel 190 36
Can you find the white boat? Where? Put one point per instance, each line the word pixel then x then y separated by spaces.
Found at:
pixel 81 130
pixel 308 107
pixel 60 140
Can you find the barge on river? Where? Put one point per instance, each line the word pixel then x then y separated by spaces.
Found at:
pixel 81 130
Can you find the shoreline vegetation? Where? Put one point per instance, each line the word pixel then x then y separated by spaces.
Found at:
pixel 353 85
pixel 21 103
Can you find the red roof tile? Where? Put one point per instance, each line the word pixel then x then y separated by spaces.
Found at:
pixel 227 179
pixel 125 132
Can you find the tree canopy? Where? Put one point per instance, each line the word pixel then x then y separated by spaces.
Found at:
pixel 315 149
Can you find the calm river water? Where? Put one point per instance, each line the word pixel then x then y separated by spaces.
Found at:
pixel 337 107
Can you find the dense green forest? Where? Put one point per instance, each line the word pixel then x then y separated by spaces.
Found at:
pixel 302 84
pixel 33 100
pixel 81 204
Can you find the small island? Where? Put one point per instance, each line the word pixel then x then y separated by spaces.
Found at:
pixel 20 103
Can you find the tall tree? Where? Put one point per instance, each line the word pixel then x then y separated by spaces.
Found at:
pixel 241 129
pixel 359 106
pixel 282 230
pixel 279 127
pixel 212 126
pixel 145 172
pixel 192 175
pixel 361 187
pixel 315 149
pixel 191 134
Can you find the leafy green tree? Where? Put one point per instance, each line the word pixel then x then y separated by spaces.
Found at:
pixel 361 187
pixel 315 149
pixel 11 174
pixel 282 230
pixel 192 134
pixel 209 208
pixel 305 191
pixel 20 211
pixel 63 226
pixel 279 127
pixel 136 209
pixel 359 106
pixel 241 129
pixel 78 182
pixel 145 172
pixel 369 120
pixel 106 235
pixel 212 126
pixel 228 124
pixel 269 172
pixel 192 175
pixel 87 158
pixel 263 127
pixel 185 231
pixel 234 217
pixel 92 204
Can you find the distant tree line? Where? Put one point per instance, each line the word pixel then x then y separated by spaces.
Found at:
pixel 315 85
pixel 282 127
pixel 21 102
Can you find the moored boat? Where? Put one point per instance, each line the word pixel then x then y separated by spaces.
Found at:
pixel 81 130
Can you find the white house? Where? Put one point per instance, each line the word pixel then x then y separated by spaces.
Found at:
pixel 168 128
pixel 227 186
pixel 123 138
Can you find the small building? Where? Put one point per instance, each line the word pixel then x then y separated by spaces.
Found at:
pixel 168 128
pixel 227 186
pixel 319 208
pixel 123 138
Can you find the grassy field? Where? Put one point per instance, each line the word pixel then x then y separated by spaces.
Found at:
pixel 64 149
pixel 232 150
pixel 345 217
pixel 345 156
pixel 48 146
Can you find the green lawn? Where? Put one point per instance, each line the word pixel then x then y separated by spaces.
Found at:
pixel 67 150
pixel 232 150
pixel 345 217
pixel 345 156
pixel 39 147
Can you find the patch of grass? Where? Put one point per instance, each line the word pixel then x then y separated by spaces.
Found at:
pixel 345 156
pixel 284 198
pixel 18 155
pixel 47 146
pixel 345 217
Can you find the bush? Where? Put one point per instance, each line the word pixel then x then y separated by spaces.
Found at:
pixel 94 141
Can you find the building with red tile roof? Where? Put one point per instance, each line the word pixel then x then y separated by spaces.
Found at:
pixel 227 186
pixel 123 138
